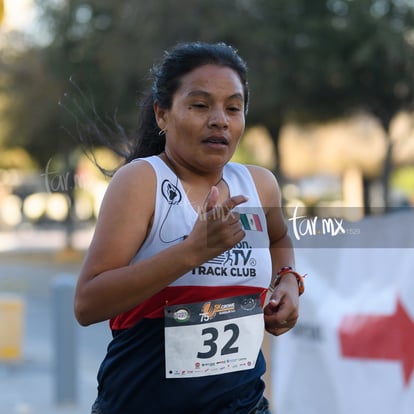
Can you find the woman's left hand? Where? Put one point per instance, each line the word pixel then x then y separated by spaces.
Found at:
pixel 282 311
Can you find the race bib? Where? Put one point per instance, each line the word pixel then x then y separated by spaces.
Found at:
pixel 214 337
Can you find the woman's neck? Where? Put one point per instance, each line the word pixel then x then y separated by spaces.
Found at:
pixel 190 175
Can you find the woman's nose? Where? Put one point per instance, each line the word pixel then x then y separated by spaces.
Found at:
pixel 218 119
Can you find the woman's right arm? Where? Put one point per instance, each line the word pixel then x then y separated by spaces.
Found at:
pixel 108 284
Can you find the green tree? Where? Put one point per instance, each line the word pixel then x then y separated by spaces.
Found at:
pixel 327 59
pixel 107 49
pixel 309 60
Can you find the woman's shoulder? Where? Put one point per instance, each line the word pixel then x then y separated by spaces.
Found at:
pixel 139 168
pixel 259 171
pixel 130 195
pixel 266 184
pixel 132 180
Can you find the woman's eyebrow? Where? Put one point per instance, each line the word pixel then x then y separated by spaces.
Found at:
pixel 205 94
pixel 199 93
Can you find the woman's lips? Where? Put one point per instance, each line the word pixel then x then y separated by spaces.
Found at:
pixel 216 141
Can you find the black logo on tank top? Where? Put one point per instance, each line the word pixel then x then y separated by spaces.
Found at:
pixel 237 262
pixel 170 192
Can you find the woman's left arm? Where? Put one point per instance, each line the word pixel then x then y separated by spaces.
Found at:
pixel 282 310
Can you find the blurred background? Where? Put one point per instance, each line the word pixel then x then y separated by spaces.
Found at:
pixel 331 114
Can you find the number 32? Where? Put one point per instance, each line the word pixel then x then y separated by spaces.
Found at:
pixel 228 347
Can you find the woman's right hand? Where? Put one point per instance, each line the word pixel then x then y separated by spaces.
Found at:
pixel 218 227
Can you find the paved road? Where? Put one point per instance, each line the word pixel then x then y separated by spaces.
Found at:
pixel 30 262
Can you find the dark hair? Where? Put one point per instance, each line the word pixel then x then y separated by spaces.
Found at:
pixel 177 62
pixel 166 77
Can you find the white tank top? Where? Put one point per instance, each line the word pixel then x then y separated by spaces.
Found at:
pixel 246 264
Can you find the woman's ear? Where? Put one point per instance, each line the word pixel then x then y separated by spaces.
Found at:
pixel 161 116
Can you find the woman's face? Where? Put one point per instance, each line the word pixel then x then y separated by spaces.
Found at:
pixel 206 119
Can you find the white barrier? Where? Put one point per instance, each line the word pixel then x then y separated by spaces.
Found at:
pixel 352 350
pixel 66 372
